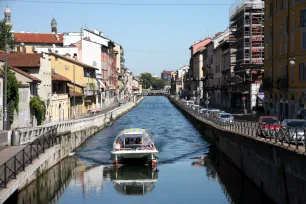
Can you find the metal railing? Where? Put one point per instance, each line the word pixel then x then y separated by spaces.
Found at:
pixel 27 135
pixel 17 163
pixel 285 136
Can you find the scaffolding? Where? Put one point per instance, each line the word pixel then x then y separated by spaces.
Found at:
pixel 247 34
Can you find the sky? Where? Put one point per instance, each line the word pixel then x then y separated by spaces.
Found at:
pixel 154 38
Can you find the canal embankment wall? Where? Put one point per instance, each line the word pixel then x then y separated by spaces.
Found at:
pixel 278 170
pixel 69 137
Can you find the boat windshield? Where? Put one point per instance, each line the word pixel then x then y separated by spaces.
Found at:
pixel 134 141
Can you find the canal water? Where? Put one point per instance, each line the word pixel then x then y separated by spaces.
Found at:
pixel 190 169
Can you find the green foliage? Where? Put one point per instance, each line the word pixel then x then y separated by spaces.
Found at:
pixel 5 31
pixel 12 93
pixel 39 108
pixel 149 81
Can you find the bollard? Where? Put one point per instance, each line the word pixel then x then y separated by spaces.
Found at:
pixel 15 138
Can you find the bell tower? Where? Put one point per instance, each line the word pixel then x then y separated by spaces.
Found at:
pixel 53 26
pixel 7 16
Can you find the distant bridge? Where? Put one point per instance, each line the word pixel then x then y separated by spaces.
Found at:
pixel 162 92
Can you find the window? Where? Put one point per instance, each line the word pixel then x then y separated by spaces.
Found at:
pixel 286 45
pixel 276 7
pixel 286 71
pixel 280 46
pixel 280 27
pixel 292 42
pixel 292 21
pixel 302 72
pixel 303 41
pixel 281 5
pixel 292 74
pixel 271 32
pixel 286 25
pixel 287 3
pixel 266 51
pixel 303 18
pixel 271 9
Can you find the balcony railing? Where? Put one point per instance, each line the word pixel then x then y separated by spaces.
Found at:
pixel 91 89
pixel 59 96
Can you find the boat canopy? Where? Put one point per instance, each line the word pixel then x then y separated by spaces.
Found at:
pixel 146 136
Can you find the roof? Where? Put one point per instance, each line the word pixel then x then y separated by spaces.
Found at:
pixel 73 61
pixel 134 131
pixel 25 74
pixel 38 38
pixel 76 94
pixel 22 59
pixel 58 77
pixel 135 88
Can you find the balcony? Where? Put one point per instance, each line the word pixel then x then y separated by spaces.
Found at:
pixel 91 89
pixel 59 96
pixel 282 83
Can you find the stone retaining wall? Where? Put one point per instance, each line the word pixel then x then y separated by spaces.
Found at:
pixel 278 170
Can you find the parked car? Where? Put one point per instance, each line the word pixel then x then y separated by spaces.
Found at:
pixel 225 117
pixel 189 103
pixel 293 130
pixel 203 111
pixel 211 111
pixel 268 125
pixel 195 107
pixel 215 113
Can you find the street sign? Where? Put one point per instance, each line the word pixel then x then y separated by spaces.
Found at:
pixel 243 98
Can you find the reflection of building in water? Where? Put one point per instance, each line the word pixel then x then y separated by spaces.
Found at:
pixel 210 169
pixel 49 187
pixel 134 180
pixel 93 179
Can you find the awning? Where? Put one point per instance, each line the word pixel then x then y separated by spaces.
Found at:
pixel 261 96
pixel 101 84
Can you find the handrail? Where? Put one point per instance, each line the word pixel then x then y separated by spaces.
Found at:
pixel 18 162
pixel 275 133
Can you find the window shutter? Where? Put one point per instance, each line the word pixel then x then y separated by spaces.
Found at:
pixel 304 72
pixel 300 71
pixel 301 18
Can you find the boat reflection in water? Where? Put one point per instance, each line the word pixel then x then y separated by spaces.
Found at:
pixel 134 180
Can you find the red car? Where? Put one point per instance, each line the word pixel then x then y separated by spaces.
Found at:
pixel 269 123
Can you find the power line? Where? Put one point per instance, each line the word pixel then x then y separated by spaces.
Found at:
pixel 154 51
pixel 116 4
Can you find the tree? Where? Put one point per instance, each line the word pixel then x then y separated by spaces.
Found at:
pixel 12 93
pixel 149 81
pixel 39 108
pixel 158 84
pixel 5 31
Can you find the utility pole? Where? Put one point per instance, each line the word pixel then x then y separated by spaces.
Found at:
pixel 5 121
pixel 74 110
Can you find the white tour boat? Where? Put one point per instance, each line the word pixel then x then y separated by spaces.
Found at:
pixel 134 145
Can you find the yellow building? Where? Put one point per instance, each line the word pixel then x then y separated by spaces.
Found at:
pixel 83 80
pixel 285 57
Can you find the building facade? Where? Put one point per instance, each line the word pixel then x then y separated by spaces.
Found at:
pixel 285 58
pixel 247 38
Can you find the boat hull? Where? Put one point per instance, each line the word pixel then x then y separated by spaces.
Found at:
pixel 134 157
